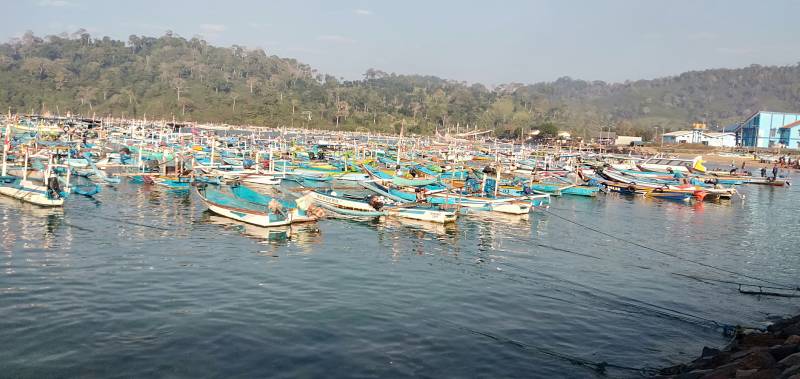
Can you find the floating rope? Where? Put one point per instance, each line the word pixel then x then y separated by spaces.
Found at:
pixel 739 284
pixel 664 252
pixel 727 329
pixel 598 367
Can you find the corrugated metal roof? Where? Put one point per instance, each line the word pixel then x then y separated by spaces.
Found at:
pixel 679 133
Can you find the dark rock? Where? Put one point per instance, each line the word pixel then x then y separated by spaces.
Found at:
pixel 769 373
pixel 783 324
pixel 743 353
pixel 709 352
pixel 758 359
pixel 742 374
pixel 712 361
pixel 703 363
pixel 760 339
pixel 721 359
pixel 794 370
pixel 674 370
pixel 694 374
pixel 723 372
pixel 790 330
pixel 782 351
pixel 790 361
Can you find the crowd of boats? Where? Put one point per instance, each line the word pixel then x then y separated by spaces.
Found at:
pixel 279 177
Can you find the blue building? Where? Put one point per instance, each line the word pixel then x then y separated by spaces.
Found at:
pixel 790 135
pixel 765 129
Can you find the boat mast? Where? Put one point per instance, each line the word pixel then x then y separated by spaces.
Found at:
pixel 6 147
pixel 213 150
pixel 25 167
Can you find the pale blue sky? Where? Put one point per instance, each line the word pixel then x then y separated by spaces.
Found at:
pixel 491 42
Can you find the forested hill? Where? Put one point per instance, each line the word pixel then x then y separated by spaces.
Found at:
pixel 188 79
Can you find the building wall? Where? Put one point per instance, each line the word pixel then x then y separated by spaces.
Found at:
pixel 722 141
pixel 626 140
pixel 763 128
pixel 790 137
pixel 685 138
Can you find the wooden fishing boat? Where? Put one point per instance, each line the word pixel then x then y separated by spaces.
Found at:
pixel 30 192
pixel 368 207
pixel 664 190
pixel 670 194
pixel 660 164
pixel 256 213
pixel 510 205
pixel 50 194
pixel 172 182
pixel 624 188
pixel 769 181
pixel 259 179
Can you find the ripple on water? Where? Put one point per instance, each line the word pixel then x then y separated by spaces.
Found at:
pixel 147 283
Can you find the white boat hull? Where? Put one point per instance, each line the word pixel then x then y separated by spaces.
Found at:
pixel 31 193
pixel 429 215
pixel 261 179
pixel 250 218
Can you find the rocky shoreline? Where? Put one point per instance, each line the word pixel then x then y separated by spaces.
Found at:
pixel 774 353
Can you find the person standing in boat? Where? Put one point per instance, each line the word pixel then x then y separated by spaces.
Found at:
pixel 775 172
pixel 763 172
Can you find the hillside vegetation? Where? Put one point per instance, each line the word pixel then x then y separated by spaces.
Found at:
pixel 188 79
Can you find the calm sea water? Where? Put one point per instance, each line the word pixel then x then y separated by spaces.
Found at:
pixel 144 282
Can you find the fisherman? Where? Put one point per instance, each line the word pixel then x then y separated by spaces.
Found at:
pixel 775 172
pixel 420 195
pixel 676 174
pixel 376 202
pixel 763 172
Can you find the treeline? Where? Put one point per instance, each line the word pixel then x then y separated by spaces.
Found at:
pixel 188 79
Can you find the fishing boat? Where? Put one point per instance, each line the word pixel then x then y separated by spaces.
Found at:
pixel 50 194
pixel 624 188
pixel 674 164
pixel 510 205
pixel 251 209
pixel 664 189
pixel 373 206
pixel 670 194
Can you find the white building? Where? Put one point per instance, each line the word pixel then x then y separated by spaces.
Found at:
pixel 719 139
pixel 700 136
pixel 626 140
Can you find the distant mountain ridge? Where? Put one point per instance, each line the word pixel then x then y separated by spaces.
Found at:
pixel 188 79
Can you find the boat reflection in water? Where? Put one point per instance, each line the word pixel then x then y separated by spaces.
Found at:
pixel 27 226
pixel 300 235
pixel 435 228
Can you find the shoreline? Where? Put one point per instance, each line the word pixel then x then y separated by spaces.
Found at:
pixel 772 353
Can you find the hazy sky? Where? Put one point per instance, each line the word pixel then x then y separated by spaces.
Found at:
pixel 477 41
